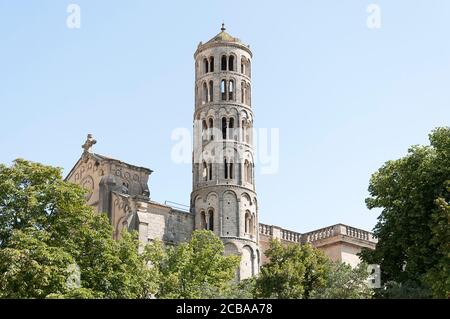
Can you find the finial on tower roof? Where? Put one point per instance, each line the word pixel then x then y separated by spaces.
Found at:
pixel 223 26
pixel 87 146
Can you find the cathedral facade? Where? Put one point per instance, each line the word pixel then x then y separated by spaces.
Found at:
pixel 223 197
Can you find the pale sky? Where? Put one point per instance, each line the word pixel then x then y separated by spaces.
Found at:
pixel 345 98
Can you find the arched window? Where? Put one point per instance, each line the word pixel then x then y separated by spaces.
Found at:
pixel 231 170
pixel 248 130
pixel 210 171
pixel 225 168
pixel 224 128
pixel 205 171
pixel 247 222
pixel 204 129
pixel 205 66
pixel 231 90
pixel 244 63
pixel 247 171
pixel 243 130
pixel 231 63
pixel 197 96
pixel 253 230
pixel 211 64
pixel 223 89
pixel 211 91
pixel 211 129
pixel 242 92
pixel 211 220
pixel 202 220
pixel 231 128
pixel 205 93
pixel 251 224
pixel 224 63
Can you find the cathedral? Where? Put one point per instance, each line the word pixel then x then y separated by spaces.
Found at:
pixel 223 197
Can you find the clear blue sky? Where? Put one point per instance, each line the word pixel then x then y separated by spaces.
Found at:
pixel 345 98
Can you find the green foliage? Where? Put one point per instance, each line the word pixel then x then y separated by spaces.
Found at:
pixel 438 277
pixel 414 226
pixel 245 289
pixel 345 282
pixel 77 293
pixel 406 290
pixel 46 226
pixel 294 271
pixel 30 268
pixel 196 269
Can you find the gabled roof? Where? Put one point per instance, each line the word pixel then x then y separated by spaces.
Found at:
pixel 87 146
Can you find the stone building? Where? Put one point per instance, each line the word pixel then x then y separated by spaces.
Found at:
pixel 223 197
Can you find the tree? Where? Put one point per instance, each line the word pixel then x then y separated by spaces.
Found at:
pixel 345 282
pixel 413 228
pixel 195 269
pixel 46 228
pixel 244 289
pixel 294 271
pixel 30 268
pixel 438 277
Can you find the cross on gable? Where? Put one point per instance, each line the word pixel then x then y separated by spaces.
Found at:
pixel 87 146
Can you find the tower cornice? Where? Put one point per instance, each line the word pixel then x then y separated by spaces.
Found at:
pixel 225 104
pixel 224 73
pixel 203 47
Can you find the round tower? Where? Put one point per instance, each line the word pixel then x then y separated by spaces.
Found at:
pixel 223 195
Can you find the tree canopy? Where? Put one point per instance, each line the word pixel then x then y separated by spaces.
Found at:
pixel 413 228
pixel 47 230
pixel 194 269
pixel 293 272
pixel 345 282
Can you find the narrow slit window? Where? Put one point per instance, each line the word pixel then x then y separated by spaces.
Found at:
pixel 225 164
pixel 231 63
pixel 224 63
pixel 211 220
pixel 211 64
pixel 205 66
pixel 231 90
pixel 211 91
pixel 231 128
pixel 224 128
pixel 223 89
pixel 211 129
pixel 210 171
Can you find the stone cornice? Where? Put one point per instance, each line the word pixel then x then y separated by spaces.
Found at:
pixel 220 104
pixel 242 239
pixel 224 74
pixel 221 185
pixel 205 46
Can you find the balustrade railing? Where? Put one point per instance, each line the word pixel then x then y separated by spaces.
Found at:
pixel 318 234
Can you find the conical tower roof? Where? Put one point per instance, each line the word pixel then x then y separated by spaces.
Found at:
pixel 224 37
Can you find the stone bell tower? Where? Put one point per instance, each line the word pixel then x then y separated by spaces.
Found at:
pixel 223 195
